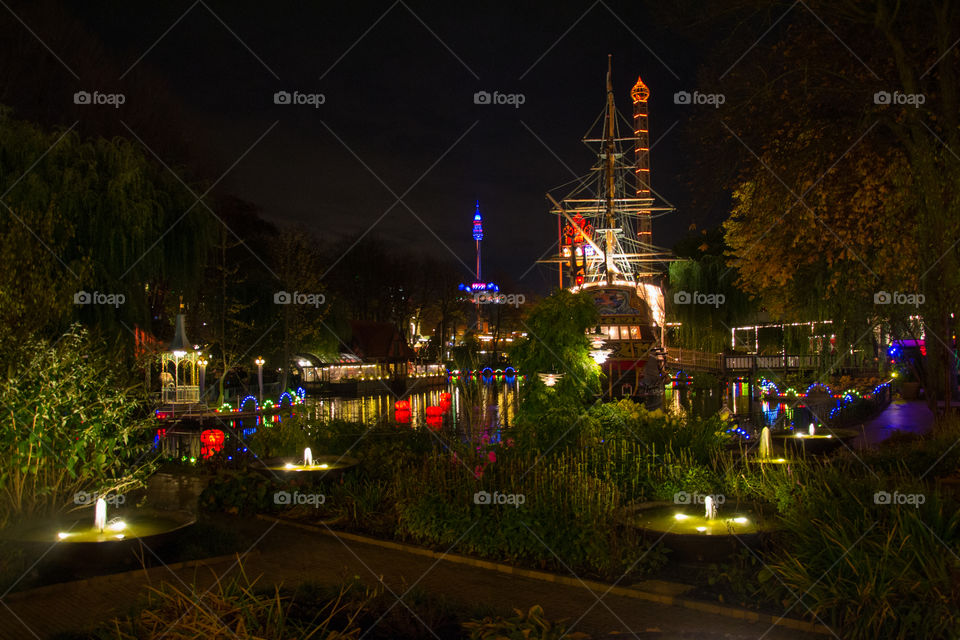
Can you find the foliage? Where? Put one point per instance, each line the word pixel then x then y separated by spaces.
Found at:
pixel 567 517
pixel 873 570
pixel 531 625
pixel 238 493
pixel 287 437
pixel 69 426
pixel 699 437
pixel 233 608
pixel 557 341
pixel 78 215
pixel 706 326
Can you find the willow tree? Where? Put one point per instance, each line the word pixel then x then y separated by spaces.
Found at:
pixel 702 269
pixel 89 215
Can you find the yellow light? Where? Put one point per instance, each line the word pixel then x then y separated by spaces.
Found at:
pixel 740 520
pixel 119 525
pixel 701 529
pixel 323 466
pixel 62 535
pixel 289 465
pixel 681 516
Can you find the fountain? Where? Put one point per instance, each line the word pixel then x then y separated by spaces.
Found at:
pixel 97 542
pixel 710 509
pixel 814 442
pixel 319 465
pixel 100 515
pixel 712 534
pixel 766 444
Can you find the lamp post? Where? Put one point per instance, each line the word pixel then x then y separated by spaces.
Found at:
pixel 260 362
pixel 202 363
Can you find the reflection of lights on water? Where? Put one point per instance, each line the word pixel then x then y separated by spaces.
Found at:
pixel 119 536
pixel 289 465
pixel 701 529
pixel 323 466
pixel 681 516
pixel 62 535
pixel 740 520
pixel 118 525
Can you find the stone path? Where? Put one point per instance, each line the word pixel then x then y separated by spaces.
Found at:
pixel 287 555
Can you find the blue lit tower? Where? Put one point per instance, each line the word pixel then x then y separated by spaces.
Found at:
pixel 478 286
pixel 478 235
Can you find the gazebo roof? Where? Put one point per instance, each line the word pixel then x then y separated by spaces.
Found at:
pixel 180 341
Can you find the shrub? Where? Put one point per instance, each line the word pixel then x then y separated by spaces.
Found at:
pixel 872 570
pixel 531 625
pixel 70 426
pixel 568 518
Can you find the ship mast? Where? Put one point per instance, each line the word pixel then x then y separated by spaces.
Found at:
pixel 610 150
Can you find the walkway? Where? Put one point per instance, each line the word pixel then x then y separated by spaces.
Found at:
pixel 289 555
pixel 910 417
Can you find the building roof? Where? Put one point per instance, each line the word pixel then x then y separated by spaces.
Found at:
pixel 378 341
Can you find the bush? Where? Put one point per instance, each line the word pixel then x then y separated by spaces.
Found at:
pixel 70 426
pixel 872 570
pixel 568 518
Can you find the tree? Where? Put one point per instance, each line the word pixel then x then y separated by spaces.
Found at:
pixel 845 194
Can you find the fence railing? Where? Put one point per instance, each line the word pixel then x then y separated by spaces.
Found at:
pixel 182 393
pixel 689 359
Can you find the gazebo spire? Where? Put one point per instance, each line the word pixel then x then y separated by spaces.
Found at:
pixel 180 345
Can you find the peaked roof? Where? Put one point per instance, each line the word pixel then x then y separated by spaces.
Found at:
pixel 379 341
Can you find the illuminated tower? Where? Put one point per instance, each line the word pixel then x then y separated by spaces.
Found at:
pixel 641 150
pixel 480 290
pixel 478 235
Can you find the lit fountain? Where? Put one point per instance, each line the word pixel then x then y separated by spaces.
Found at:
pixel 710 509
pixel 100 515
pixel 312 465
pixel 686 530
pixel 765 450
pixel 131 526
pixel 812 443
pixel 96 542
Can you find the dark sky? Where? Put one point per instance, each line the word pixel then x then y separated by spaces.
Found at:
pixel 398 81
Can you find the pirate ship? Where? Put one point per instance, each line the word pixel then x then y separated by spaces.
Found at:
pixel 604 227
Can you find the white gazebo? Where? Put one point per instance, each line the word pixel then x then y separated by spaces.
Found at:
pixel 180 367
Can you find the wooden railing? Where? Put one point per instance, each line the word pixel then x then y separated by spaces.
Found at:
pixel 691 360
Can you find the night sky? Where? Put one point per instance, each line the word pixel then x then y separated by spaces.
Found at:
pixel 399 118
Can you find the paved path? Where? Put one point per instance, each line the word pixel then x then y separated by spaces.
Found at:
pixel 912 417
pixel 288 555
